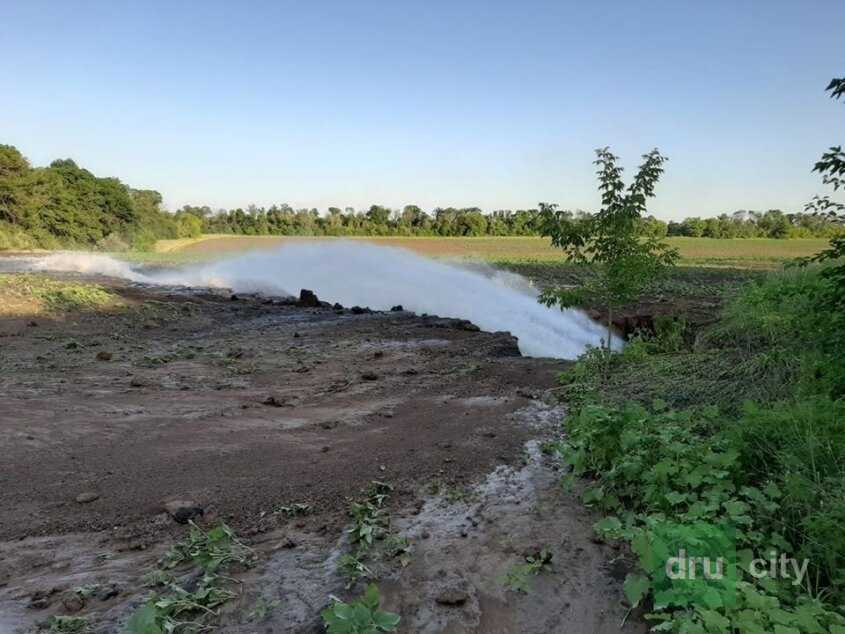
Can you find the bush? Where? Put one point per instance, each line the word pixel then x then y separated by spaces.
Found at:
pixel 112 243
pixel 764 475
pixel 13 238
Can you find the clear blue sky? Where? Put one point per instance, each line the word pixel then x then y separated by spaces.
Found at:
pixel 436 103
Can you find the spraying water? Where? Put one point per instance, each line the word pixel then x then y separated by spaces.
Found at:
pixel 355 273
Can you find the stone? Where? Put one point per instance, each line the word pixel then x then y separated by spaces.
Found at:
pixel 108 592
pixel 87 496
pixel 369 376
pixel 104 355
pixel 453 595
pixel 72 602
pixel 183 510
pixel 397 309
pixel 41 599
pixel 308 299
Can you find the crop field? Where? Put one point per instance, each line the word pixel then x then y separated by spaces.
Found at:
pixel 738 253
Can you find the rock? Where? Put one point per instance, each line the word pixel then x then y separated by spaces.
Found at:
pixel 357 310
pixel 369 376
pixel 325 449
pixel 103 355
pixel 463 324
pixel 454 594
pixel 272 401
pixel 308 299
pixel 87 496
pixel 337 306
pixel 183 510
pixel 41 599
pixel 108 592
pixel 137 382
pixel 378 354
pixel 397 309
pixel 72 602
pixel 32 324
pixel 234 298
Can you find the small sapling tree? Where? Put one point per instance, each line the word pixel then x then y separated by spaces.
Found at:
pixel 621 261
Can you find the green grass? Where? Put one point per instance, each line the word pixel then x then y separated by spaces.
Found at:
pixel 743 253
pixel 32 293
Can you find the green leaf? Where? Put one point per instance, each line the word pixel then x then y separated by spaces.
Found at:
pixel 371 597
pixel 386 621
pixel 608 525
pixel 636 587
pixel 144 621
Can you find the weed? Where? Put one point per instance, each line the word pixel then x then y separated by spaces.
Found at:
pixel 369 519
pixel 362 616
pixel 518 577
pixel 210 550
pixel 294 510
pixel 354 569
pixel 399 548
pixel 180 611
pixel 63 624
pixel 87 590
pixel 157 578
pixel 176 610
pixel 263 609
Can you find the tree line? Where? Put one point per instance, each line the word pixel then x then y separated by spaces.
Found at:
pixel 65 205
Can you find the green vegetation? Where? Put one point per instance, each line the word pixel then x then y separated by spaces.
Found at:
pixel 67 624
pixel 518 578
pixel 411 220
pixel 66 206
pixel 734 438
pixel 177 610
pixel 362 616
pixel 30 293
pixel 620 261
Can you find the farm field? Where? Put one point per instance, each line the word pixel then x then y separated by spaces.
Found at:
pixel 741 253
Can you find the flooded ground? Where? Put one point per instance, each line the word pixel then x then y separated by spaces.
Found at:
pixel 240 408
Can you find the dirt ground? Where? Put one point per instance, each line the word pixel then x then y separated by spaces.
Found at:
pixel 245 406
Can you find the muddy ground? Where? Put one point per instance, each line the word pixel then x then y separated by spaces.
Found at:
pixel 243 407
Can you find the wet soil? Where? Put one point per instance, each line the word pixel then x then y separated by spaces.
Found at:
pixel 243 406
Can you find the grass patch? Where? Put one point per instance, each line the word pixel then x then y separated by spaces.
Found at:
pixel 31 293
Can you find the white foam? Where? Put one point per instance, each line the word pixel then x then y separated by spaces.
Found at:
pixel 356 273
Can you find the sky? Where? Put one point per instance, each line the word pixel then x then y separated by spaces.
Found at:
pixel 476 103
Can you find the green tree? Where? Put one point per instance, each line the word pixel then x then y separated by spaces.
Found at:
pixel 622 260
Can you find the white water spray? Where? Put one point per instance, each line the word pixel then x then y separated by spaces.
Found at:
pixel 378 277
